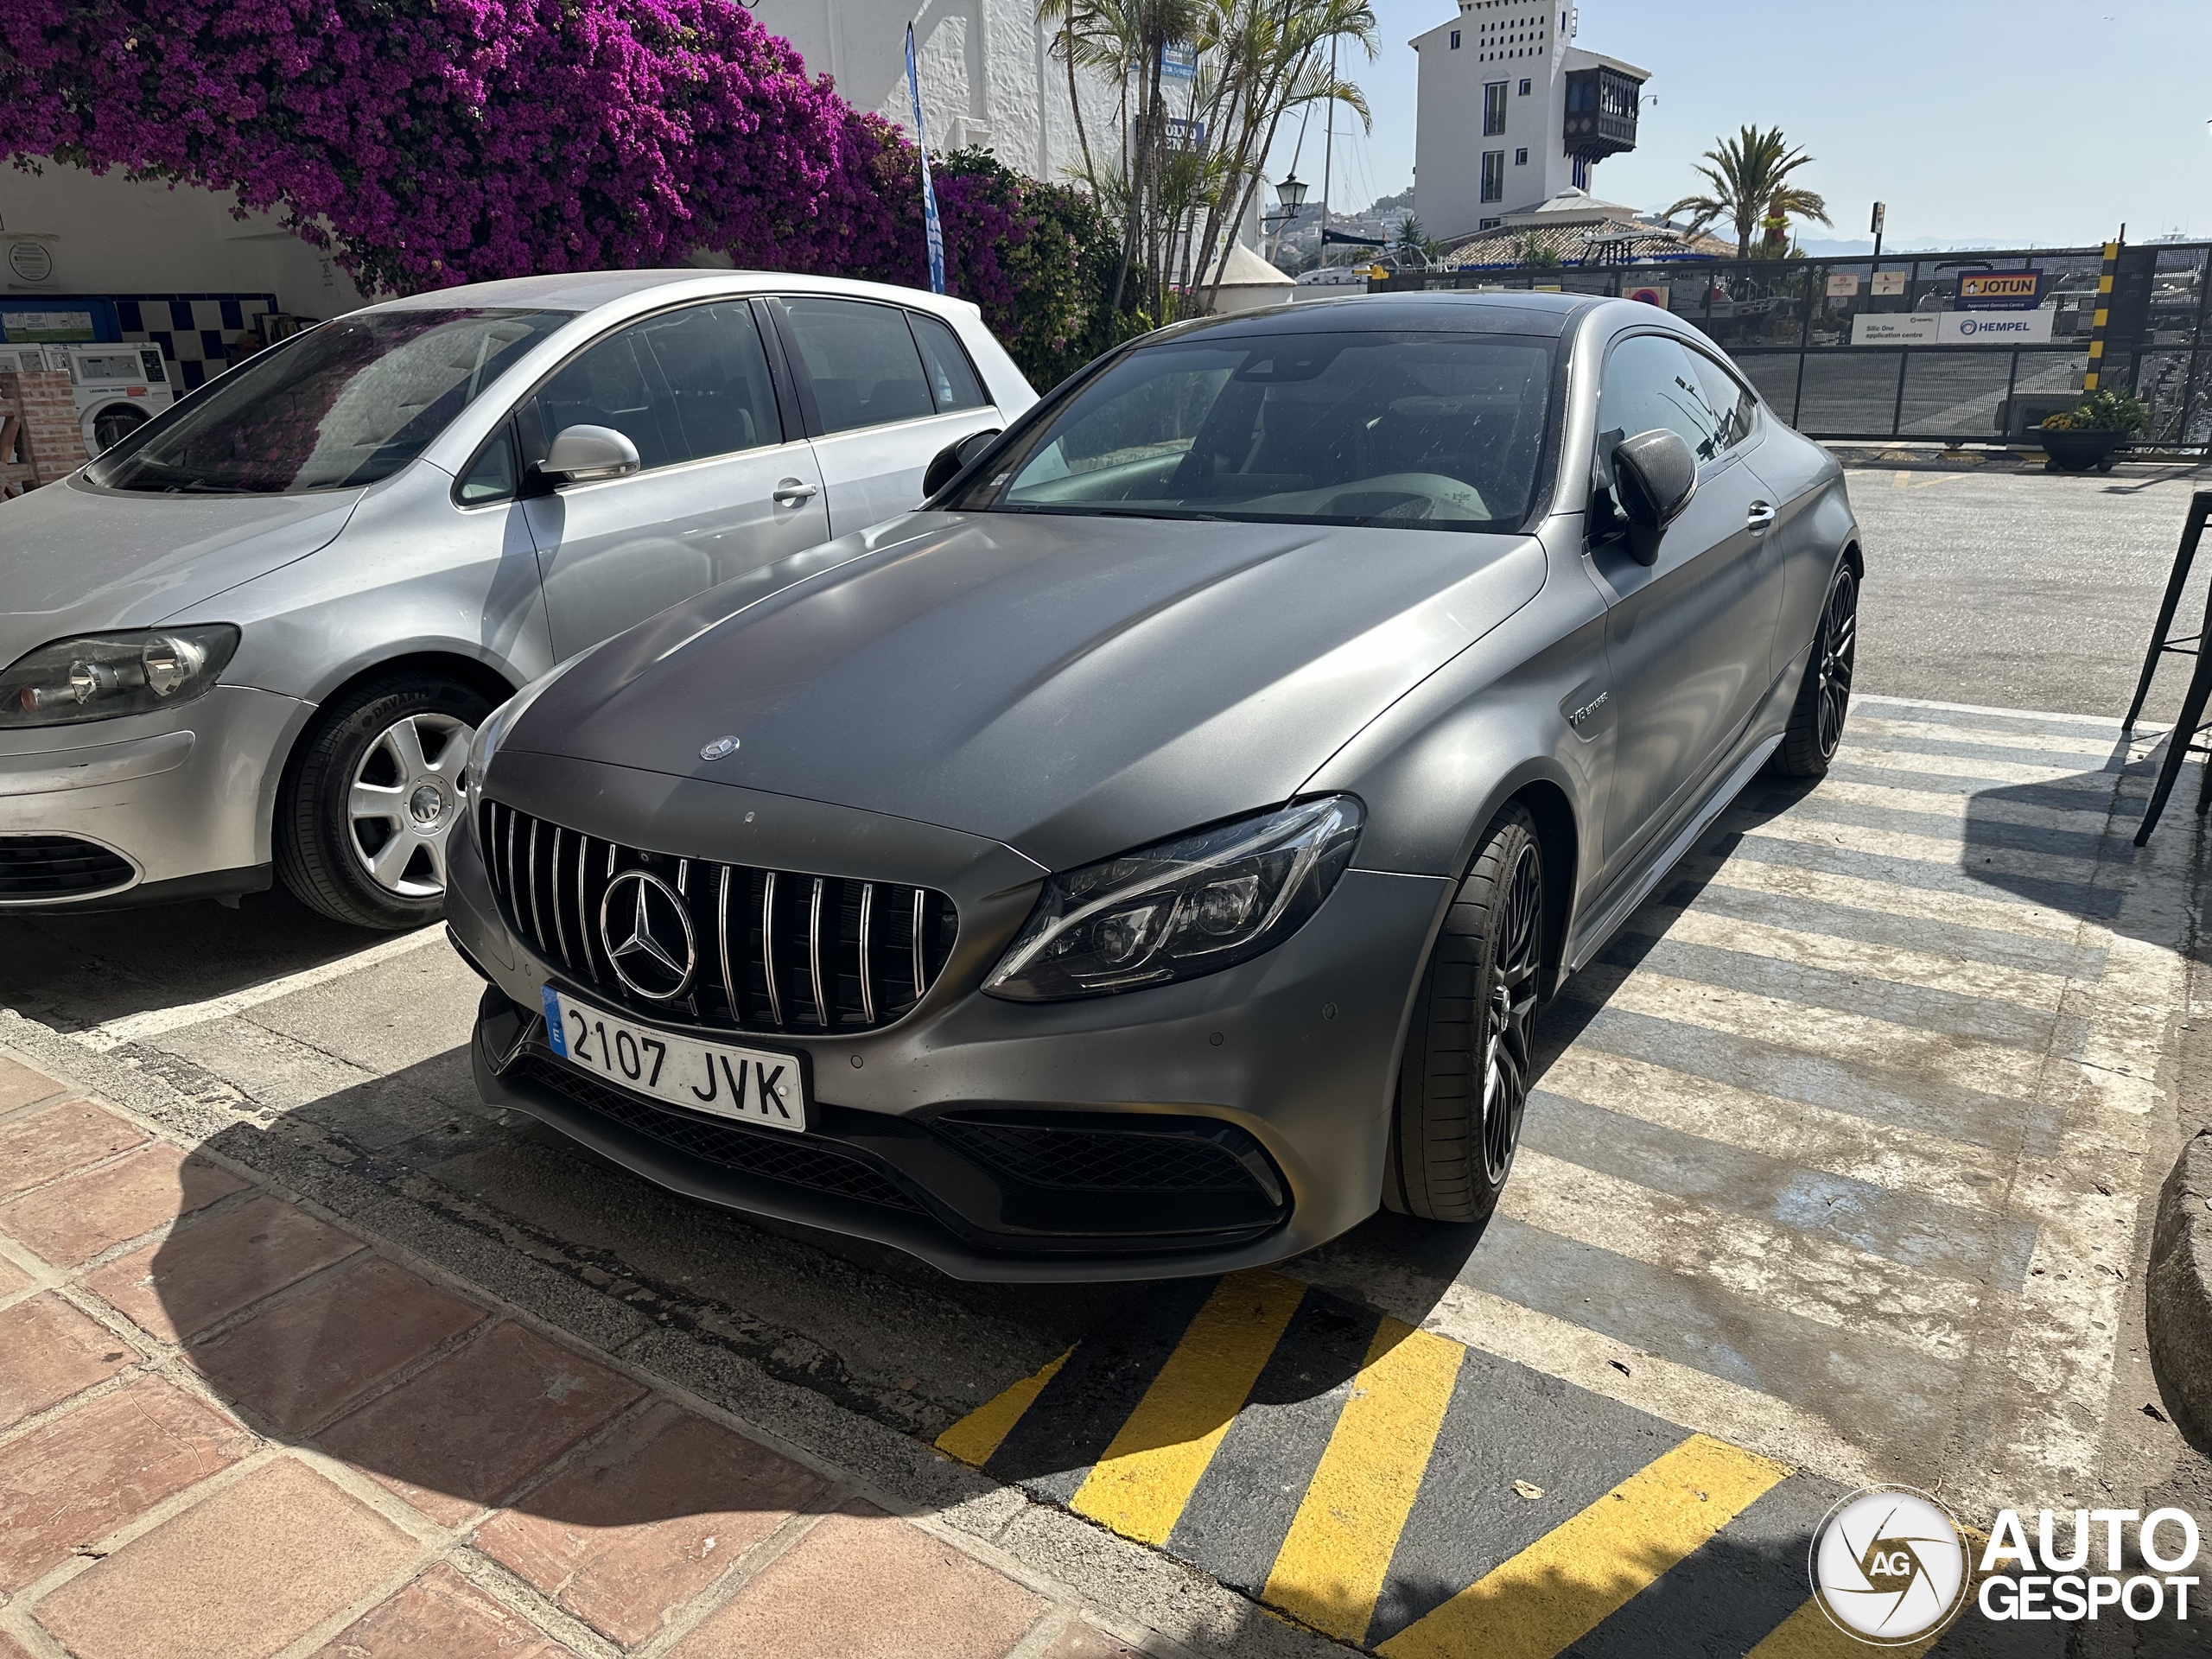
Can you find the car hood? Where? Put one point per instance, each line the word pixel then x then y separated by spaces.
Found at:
pixel 1070 687
pixel 74 560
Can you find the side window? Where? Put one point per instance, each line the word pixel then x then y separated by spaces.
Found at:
pixel 614 382
pixel 1732 404
pixel 1651 381
pixel 862 361
pixel 716 372
pixel 490 477
pixel 685 386
pixel 952 378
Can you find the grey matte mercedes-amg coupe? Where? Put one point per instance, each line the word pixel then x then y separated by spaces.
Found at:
pixel 1151 855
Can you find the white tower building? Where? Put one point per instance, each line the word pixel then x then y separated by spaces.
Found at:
pixel 988 77
pixel 1512 113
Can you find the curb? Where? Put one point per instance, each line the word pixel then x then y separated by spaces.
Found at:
pixel 1160 1606
pixel 2178 1292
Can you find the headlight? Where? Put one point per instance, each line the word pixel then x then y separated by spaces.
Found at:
pixel 1185 907
pixel 104 675
pixel 501 720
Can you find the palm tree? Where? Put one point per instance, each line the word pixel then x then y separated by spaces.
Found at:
pixel 1749 175
pixel 1179 193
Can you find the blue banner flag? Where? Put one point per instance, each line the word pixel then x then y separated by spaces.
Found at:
pixel 930 225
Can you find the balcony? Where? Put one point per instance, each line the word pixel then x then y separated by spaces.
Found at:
pixel 1600 115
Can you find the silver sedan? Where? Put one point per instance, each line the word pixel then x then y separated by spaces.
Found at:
pixel 258 635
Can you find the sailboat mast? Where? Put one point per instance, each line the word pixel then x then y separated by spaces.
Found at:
pixel 1328 152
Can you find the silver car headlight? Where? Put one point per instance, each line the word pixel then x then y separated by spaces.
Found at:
pixel 1192 906
pixel 501 720
pixel 101 676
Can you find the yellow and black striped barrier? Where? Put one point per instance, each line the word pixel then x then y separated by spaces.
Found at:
pixel 2100 319
pixel 1396 1490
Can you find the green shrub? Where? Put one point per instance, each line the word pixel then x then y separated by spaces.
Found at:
pixel 2101 412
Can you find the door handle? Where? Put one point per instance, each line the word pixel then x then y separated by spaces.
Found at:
pixel 1760 518
pixel 792 493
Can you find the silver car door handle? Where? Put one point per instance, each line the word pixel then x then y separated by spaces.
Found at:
pixel 792 492
pixel 1759 518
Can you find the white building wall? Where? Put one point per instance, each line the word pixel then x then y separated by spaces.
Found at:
pixel 109 235
pixel 989 78
pixel 1508 40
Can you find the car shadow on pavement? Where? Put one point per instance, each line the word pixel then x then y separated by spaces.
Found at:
pixel 74 971
pixel 315 1341
pixel 1438 1252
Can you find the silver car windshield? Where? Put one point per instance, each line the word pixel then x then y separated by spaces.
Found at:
pixel 343 404
pixel 1420 431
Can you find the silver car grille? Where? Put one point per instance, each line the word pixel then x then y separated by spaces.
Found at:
pixel 774 950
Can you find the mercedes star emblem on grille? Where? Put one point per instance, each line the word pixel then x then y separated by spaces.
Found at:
pixel 721 749
pixel 646 929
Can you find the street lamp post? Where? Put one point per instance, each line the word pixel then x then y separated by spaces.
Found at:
pixel 1291 195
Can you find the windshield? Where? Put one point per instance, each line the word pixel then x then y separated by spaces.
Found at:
pixel 1420 431
pixel 345 403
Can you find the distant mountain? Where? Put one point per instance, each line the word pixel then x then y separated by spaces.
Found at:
pixel 1824 249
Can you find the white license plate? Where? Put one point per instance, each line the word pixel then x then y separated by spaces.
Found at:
pixel 751 1085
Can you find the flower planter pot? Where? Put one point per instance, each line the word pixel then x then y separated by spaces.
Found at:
pixel 2078 449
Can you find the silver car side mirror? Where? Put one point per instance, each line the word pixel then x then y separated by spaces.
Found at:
pixel 581 454
pixel 1654 475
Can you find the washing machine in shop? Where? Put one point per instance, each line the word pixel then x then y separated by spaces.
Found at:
pixel 119 388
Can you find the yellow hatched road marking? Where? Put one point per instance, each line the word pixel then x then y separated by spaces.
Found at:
pixel 1332 1565
pixel 1563 1586
pixel 1808 1633
pixel 975 1437
pixel 1140 1483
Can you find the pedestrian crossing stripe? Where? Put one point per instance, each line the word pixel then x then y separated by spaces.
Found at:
pixel 1838 1138
pixel 1330 1566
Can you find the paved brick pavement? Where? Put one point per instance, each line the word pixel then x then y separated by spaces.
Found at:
pixel 231 1429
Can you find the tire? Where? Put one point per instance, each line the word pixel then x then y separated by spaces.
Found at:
pixel 1824 695
pixel 1463 1083
pixel 370 797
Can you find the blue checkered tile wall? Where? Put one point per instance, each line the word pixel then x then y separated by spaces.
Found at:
pixel 194 331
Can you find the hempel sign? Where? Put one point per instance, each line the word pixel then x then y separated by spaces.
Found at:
pixel 1952 328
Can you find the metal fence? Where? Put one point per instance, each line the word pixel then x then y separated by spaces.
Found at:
pixel 1819 337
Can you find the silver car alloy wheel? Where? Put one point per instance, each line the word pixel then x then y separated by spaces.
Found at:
pixel 403 801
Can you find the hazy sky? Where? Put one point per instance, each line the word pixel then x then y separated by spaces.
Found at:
pixel 2033 121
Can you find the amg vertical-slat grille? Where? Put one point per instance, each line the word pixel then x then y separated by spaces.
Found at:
pixel 778 950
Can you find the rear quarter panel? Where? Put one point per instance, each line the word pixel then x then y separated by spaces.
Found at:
pixel 1813 525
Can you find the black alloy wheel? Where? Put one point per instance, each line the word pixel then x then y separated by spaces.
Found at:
pixel 1463 1086
pixel 1824 703
pixel 1510 1014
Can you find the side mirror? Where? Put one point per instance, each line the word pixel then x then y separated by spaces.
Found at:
pixel 1655 473
pixel 581 454
pixel 950 460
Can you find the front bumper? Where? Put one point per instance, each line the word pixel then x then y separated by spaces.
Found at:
pixel 181 803
pixel 1286 1063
